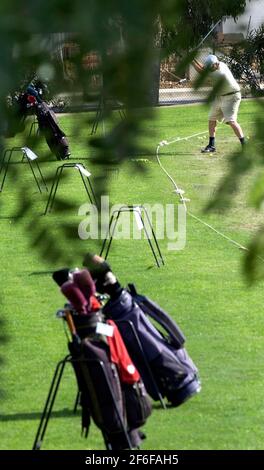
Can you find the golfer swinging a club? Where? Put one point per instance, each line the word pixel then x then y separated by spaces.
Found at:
pixel 227 100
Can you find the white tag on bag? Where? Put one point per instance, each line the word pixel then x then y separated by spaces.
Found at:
pixel 104 329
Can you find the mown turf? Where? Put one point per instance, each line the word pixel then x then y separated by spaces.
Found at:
pixel 202 287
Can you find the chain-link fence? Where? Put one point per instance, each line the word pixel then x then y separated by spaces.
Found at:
pixel 177 89
pixel 167 87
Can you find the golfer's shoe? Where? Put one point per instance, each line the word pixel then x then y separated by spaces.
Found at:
pixel 208 149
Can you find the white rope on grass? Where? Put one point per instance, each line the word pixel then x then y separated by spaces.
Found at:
pixel 180 192
pixel 177 190
pixel 242 247
pixel 178 139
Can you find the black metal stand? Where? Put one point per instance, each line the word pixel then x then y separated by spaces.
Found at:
pixel 56 180
pixel 100 112
pixel 54 387
pixel 7 155
pixel 34 128
pixel 155 249
pixel 77 401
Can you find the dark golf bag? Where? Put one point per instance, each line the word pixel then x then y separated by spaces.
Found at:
pixel 48 126
pixel 112 392
pixel 116 406
pixel 101 395
pixel 31 102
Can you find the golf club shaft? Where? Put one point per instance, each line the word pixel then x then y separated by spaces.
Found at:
pixel 70 323
pixel 208 34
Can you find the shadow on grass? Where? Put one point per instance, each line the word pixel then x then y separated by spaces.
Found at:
pixel 11 217
pixel 41 273
pixel 64 413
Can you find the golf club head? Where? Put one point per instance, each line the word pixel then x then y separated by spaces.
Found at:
pixel 85 283
pixel 61 276
pixel 75 296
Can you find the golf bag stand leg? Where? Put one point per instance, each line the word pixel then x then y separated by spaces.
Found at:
pixel 77 401
pixel 50 402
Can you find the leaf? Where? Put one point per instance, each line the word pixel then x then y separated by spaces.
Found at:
pixel 256 196
pixel 254 259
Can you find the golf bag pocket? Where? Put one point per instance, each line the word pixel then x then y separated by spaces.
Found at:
pixel 138 404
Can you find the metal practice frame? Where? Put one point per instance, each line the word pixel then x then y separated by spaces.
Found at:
pixel 7 155
pixel 34 128
pixel 155 249
pixel 100 112
pixel 56 180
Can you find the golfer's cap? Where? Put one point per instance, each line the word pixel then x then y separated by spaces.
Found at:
pixel 211 60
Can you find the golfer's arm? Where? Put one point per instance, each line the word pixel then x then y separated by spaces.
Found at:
pixel 198 66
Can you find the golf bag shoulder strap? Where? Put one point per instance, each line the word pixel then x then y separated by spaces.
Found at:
pixel 159 315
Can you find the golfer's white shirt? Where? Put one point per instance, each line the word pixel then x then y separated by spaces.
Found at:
pixel 229 83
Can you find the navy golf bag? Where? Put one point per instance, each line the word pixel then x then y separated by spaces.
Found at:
pixel 164 354
pixel 170 364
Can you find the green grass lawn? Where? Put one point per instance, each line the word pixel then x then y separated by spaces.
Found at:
pixel 202 287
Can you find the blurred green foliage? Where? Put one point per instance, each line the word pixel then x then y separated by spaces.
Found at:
pixel 246 60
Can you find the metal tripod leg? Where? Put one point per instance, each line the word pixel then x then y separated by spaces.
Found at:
pixel 4 167
pixel 49 403
pixel 3 159
pixel 77 401
pixel 53 190
pixel 34 175
pixel 149 241
pixel 153 234
pixel 5 164
pixel 41 176
pixel 89 189
pixel 111 233
pixel 96 120
pixel 33 128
